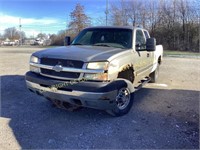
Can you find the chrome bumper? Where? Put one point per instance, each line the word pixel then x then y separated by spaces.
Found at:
pixel 103 100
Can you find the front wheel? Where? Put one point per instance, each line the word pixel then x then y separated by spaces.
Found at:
pixel 124 102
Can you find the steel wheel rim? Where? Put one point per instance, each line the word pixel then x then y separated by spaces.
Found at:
pixel 123 98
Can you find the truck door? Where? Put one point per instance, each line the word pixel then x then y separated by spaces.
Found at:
pixel 142 63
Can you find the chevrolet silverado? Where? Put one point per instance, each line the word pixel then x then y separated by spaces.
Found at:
pixel 101 68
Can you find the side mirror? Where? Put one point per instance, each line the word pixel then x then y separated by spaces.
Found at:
pixel 67 41
pixel 151 44
pixel 138 46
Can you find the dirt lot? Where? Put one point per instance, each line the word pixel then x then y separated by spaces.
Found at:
pixel 164 115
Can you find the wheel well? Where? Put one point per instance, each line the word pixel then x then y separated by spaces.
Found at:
pixel 159 60
pixel 127 73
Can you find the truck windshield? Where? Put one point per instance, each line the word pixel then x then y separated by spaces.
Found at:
pixel 119 38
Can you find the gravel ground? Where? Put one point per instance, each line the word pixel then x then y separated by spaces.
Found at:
pixel 164 115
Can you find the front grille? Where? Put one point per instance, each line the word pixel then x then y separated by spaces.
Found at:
pixel 60 74
pixel 63 62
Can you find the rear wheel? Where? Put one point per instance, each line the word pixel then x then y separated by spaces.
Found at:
pixel 124 102
pixel 154 75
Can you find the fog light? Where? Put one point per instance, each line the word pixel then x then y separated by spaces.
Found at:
pixel 34 69
pixel 98 76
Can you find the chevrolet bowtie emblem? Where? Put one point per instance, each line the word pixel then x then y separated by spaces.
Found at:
pixel 58 68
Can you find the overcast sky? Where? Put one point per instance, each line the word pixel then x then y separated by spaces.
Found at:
pixel 47 16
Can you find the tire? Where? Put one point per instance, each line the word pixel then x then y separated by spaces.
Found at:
pixel 124 102
pixel 154 75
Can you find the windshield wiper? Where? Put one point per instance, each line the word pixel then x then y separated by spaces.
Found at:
pixel 77 44
pixel 106 45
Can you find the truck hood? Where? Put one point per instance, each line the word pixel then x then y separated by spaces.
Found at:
pixel 83 53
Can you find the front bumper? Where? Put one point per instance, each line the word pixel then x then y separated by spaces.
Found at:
pixel 98 95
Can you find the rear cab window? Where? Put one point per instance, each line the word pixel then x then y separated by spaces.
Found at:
pixel 146 34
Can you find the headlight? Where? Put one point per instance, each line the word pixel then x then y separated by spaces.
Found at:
pixel 98 65
pixel 34 59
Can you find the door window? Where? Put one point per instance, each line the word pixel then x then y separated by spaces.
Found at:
pixel 140 40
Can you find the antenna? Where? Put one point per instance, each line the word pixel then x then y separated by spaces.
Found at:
pixel 20 26
pixel 106 12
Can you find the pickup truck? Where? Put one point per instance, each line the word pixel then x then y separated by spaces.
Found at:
pixel 101 68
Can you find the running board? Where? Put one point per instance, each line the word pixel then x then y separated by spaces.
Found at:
pixel 142 83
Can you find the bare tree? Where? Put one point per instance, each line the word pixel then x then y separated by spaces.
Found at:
pixel 174 23
pixel 12 33
pixel 79 20
pixel 134 11
pixel 58 39
pixel 41 35
pixel 116 15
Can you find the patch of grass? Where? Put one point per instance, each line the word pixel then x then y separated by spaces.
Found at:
pixel 183 53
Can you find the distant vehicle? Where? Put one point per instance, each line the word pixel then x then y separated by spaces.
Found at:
pixel 39 42
pixel 10 43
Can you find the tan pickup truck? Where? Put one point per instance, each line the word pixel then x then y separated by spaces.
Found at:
pixel 101 68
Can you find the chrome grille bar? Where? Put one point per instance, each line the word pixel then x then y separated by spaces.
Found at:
pixel 68 69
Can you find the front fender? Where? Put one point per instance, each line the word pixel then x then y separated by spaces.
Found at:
pixel 125 83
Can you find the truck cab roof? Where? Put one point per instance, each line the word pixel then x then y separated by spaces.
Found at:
pixel 115 27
